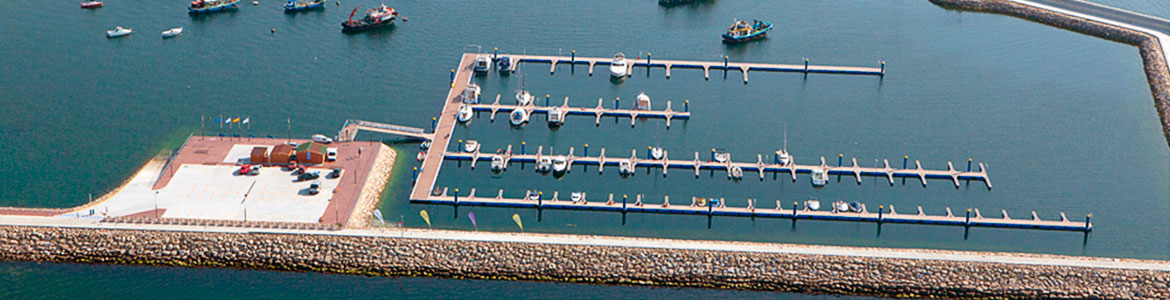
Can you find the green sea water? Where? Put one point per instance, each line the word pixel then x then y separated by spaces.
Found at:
pixel 1064 122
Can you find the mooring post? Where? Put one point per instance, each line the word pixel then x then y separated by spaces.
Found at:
pixel 617 102
pixel 687 105
pixel 725 63
pixel 452 77
pixel 840 156
pixel 647 60
pixel 1087 223
pixel 415 176
pixel 883 67
pixel 880 209
pixel 710 212
pixel 586 150
pixel 495 51
pixel 546 96
pixel 968 221
pixel 905 158
pixel 806 65
pixel 460 145
pixel 624 203
pixel 456 196
pixel 794 210
pixel 573 57
pixel 968 165
pixel 434 122
pixel 522 144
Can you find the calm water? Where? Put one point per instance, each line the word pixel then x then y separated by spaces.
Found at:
pixel 1064 121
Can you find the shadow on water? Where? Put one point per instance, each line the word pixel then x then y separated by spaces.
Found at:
pixel 704 5
pixel 378 32
pixel 199 19
pixel 292 14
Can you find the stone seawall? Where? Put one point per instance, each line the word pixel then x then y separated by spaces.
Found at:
pixel 382 256
pixel 1157 73
pixel 363 210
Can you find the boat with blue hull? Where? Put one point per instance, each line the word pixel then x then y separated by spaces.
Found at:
pixel 743 31
pixel 295 6
pixel 210 6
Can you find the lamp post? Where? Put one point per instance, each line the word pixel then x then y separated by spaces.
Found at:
pixel 156 204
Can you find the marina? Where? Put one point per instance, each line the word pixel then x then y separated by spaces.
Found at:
pixel 597 112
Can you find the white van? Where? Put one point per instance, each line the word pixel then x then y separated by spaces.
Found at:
pixel 322 139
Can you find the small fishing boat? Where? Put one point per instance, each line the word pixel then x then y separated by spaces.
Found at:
pixel 255 2
pixel 736 172
pixel 626 167
pixel 820 177
pixel 422 155
pixel 617 68
pixel 742 31
pixel 577 197
pixel 840 206
pixel 707 201
pixel 518 117
pixel 504 65
pixel 425 145
pixel 91 4
pixel 498 163
pixel 465 113
pixel 375 18
pixel 560 164
pixel 556 117
pixel 544 164
pixel 855 206
pixel 720 155
pixel 482 64
pixel 210 6
pixel 523 97
pixel 657 153
pixel 533 195
pixel 173 32
pixel 295 6
pixel 812 205
pixel 471 94
pixel 118 31
pixel 470 146
pixel 643 102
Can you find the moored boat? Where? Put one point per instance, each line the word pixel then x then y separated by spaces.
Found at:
pixel 210 6
pixel 742 31
pixel 556 117
pixel 294 6
pixel 812 205
pixel 482 64
pixel 820 177
pixel 617 67
pixel 173 32
pixel 375 17
pixel 504 65
pixel 736 172
pixel 577 197
pixel 720 155
pixel 498 163
pixel 471 94
pixel 657 153
pixel 544 164
pixel 642 103
pixel 91 4
pixel 471 146
pixel 855 206
pixel 523 97
pixel 560 164
pixel 118 31
pixel 518 117
pixel 840 206
pixel 626 167
pixel 465 113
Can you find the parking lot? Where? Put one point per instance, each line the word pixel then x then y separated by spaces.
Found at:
pixel 217 192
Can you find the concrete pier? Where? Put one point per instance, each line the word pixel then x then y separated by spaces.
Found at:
pixel 706 66
pixel 597 112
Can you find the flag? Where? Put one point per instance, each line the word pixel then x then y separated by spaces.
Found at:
pixel 378 214
pixel 236 120
pixel 247 119
pixel 220 119
pixel 471 215
pixel 423 214
pixel 228 120
pixel 516 217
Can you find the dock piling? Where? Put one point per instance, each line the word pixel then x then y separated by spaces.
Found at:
pixel 523 144
pixel 573 59
pixel 1088 224
pixel 647 60
pixel 415 176
pixel 495 51
pixel 880 209
pixel 452 77
pixel 968 165
pixel 905 159
pixel 687 107
pixel 617 102
pixel 840 156
pixel 806 65
pixel 586 149
pixel 434 122
pixel 546 99
pixel 967 222
pixel 883 68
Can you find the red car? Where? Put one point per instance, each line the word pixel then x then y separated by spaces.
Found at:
pixel 244 169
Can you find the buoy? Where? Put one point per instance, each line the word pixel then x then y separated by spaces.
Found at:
pixel 274 30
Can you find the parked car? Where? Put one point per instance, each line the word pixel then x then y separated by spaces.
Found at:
pixel 244 169
pixel 315 187
pixel 335 173
pixel 322 139
pixel 331 154
pixel 300 170
pixel 309 176
pixel 254 170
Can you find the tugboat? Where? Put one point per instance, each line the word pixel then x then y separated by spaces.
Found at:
pixel 375 17
pixel 91 4
pixel 210 6
pixel 743 31
pixel 295 6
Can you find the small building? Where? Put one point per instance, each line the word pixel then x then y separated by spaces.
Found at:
pixel 281 154
pixel 311 153
pixel 259 155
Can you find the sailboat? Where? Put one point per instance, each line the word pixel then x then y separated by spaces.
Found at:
pixel 782 157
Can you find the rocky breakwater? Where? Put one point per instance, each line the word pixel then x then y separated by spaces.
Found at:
pixel 575 263
pixel 372 189
pixel 1156 70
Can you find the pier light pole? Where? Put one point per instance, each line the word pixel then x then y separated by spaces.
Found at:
pixel 156 204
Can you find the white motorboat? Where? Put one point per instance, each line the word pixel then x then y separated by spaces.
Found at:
pixel 173 32
pixel 119 32
pixel 618 67
pixel 556 117
pixel 544 164
pixel 523 97
pixel 533 195
pixel 422 155
pixel 812 205
pixel 471 94
pixel 483 63
pixel 465 113
pixel 643 102
pixel 577 197
pixel 626 167
pixel 820 177
pixel 470 146
pixel 720 155
pixel 782 157
pixel 518 117
pixel 840 206
pixel 736 172
pixel 498 163
pixel 657 153
pixel 560 164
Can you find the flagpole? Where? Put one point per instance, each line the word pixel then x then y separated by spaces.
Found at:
pixel 201 127
pixel 220 121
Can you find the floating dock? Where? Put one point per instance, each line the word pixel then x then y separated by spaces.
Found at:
pixel 759 167
pixel 970 218
pixel 597 112
pixel 706 66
